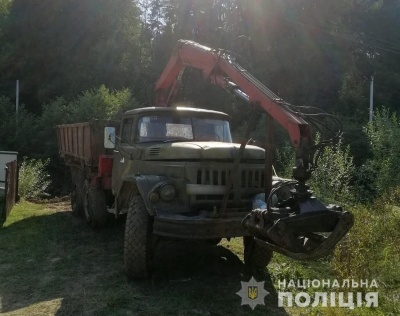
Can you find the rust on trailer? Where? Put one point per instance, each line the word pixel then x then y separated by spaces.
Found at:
pixel 11 190
pixel 82 143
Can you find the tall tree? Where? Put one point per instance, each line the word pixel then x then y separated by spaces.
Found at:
pixel 61 47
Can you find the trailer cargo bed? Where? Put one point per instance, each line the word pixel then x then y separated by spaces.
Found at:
pixel 82 143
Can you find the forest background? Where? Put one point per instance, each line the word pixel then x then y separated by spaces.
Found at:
pixel 78 60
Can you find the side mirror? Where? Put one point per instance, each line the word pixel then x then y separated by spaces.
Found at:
pixel 109 137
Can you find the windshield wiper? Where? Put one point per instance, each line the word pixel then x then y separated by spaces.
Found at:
pixel 166 140
pixel 151 141
pixel 177 140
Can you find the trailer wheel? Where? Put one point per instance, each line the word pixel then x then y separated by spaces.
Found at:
pixel 95 206
pixel 255 255
pixel 77 183
pixel 138 244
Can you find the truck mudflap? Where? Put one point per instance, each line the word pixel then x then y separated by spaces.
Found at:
pixel 310 232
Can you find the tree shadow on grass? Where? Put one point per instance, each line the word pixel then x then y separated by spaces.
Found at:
pixel 55 264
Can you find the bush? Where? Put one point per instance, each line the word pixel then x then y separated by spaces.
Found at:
pixel 33 178
pixel 384 135
pixel 365 182
pixel 371 250
pixel 331 180
pixel 16 136
pixel 100 103
pixel 285 160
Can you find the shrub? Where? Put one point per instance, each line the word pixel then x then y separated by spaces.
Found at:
pixel 331 180
pixel 384 135
pixel 285 160
pixel 16 136
pixel 371 250
pixel 100 103
pixel 33 178
pixel 365 182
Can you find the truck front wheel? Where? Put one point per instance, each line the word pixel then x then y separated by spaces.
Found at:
pixel 138 244
pixel 94 205
pixel 255 255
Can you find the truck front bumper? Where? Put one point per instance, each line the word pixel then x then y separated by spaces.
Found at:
pixel 199 227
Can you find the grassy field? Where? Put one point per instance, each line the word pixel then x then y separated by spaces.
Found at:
pixel 51 263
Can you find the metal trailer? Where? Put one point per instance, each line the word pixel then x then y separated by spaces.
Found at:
pixel 81 145
pixel 8 183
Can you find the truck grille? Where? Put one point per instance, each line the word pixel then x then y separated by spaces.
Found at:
pixel 249 182
pixel 154 151
pixel 247 178
pixel 213 177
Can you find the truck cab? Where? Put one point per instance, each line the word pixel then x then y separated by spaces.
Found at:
pixel 192 151
pixel 171 173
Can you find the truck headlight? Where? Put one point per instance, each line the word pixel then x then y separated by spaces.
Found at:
pixel 154 197
pixel 167 192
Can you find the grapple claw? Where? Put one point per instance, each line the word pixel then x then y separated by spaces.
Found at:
pixel 310 231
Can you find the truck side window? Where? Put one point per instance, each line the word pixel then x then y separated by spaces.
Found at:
pixel 126 133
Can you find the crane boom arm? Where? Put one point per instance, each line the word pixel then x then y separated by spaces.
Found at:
pixel 220 68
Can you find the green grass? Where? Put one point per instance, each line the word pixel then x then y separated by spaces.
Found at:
pixel 51 263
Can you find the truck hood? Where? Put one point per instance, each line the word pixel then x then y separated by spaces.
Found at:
pixel 200 151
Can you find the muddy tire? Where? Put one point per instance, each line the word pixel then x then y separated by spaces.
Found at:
pixel 94 206
pixel 255 255
pixel 138 244
pixel 77 195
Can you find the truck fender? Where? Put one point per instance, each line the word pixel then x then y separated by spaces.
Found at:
pixel 144 184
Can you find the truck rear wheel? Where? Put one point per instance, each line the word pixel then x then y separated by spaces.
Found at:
pixel 255 255
pixel 95 206
pixel 138 244
pixel 77 183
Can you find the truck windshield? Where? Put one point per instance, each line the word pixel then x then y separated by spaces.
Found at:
pixel 162 128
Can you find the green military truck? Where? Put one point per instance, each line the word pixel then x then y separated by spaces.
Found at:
pixel 170 170
pixel 176 173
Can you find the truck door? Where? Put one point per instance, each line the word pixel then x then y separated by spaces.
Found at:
pixel 124 154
